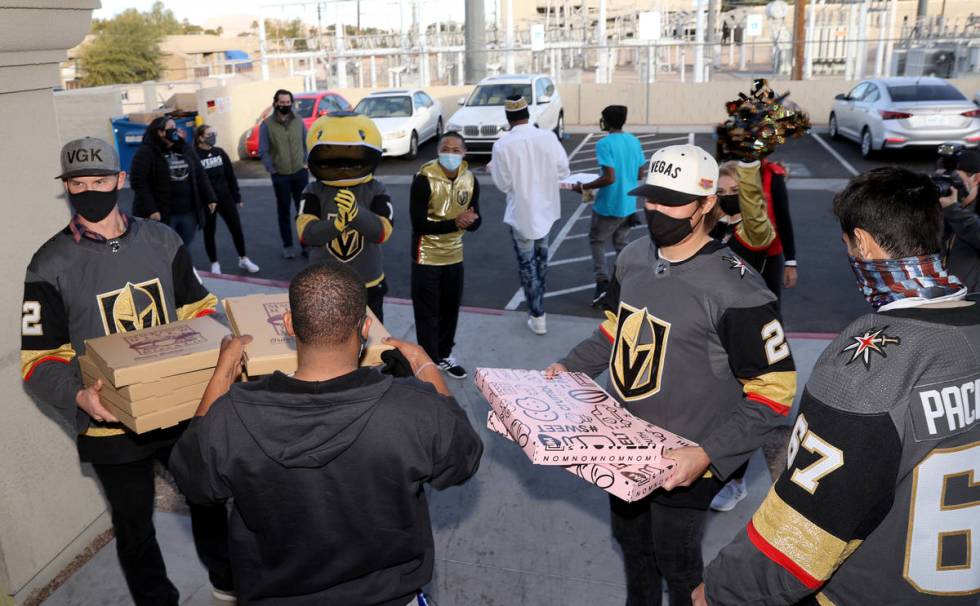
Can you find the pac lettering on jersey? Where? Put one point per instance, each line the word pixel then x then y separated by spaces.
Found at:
pixel 945 409
pixel 639 351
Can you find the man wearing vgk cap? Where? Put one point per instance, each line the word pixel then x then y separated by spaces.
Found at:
pixel 105 273
pixel 693 343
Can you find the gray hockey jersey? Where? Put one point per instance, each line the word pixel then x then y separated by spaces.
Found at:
pixel 880 500
pixel 696 347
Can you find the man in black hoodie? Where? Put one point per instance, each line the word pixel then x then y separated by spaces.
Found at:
pixel 327 467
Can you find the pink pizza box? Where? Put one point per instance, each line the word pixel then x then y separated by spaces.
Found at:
pixel 570 420
pixel 628 482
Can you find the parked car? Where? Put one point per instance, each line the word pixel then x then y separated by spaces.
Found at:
pixel 406 119
pixel 481 117
pixel 308 106
pixel 895 113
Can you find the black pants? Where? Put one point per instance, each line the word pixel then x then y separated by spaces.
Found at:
pixel 772 273
pixel 288 188
pixel 229 213
pixel 129 489
pixel 658 543
pixel 437 291
pixel 376 300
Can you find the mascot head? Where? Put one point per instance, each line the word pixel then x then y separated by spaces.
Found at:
pixel 344 149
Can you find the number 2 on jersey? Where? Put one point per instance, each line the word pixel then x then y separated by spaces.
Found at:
pixel 942 552
pixel 777 349
pixel 31 320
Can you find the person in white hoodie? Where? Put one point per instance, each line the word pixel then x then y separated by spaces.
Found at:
pixel 527 164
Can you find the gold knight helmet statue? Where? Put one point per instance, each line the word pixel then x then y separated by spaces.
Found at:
pixel 344 149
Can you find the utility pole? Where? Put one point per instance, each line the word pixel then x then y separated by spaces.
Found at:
pixel 799 38
pixel 510 36
pixel 476 37
pixel 713 57
pixel 602 69
pixel 263 48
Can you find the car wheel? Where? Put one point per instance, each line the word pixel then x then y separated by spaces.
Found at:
pixel 439 129
pixel 413 147
pixel 834 133
pixel 867 145
pixel 560 127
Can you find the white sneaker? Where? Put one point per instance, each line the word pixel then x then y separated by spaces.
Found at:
pixel 729 496
pixel 246 264
pixel 216 268
pixel 537 325
pixel 223 597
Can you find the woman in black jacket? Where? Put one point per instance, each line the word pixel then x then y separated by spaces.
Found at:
pixel 168 181
pixel 217 165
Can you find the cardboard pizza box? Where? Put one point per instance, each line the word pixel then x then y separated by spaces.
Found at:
pixel 628 482
pixel 143 391
pixel 146 405
pixel 570 420
pixel 158 352
pixel 271 349
pixel 160 419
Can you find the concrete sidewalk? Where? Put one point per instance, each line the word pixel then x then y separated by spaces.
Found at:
pixel 514 534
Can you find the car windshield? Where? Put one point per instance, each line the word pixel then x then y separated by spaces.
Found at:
pixel 925 92
pixel 385 107
pixel 496 94
pixel 303 106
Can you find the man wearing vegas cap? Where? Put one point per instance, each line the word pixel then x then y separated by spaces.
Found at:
pixel 693 343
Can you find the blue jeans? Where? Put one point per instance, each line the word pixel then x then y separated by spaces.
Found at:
pixel 288 188
pixel 185 224
pixel 532 262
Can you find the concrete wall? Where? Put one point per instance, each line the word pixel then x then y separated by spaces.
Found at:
pixel 49 506
pixel 236 107
pixel 87 112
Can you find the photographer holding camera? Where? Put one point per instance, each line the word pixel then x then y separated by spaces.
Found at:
pixel 958 185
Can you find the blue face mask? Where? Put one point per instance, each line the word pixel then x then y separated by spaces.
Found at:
pixel 451 162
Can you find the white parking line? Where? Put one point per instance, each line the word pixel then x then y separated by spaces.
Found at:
pixel 690 138
pixel 586 235
pixel 567 291
pixel 575 260
pixel 833 152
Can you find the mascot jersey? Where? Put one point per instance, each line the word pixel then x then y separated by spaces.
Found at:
pixel 357 242
pixel 346 214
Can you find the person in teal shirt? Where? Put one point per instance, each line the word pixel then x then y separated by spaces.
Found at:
pixel 623 164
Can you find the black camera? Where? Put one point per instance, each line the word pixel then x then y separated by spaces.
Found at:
pixel 944 184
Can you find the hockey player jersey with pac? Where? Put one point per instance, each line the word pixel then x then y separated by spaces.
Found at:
pixel 880 501
pixel 695 347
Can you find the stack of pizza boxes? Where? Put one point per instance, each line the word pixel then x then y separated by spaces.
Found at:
pixel 272 348
pixel 571 422
pixel 154 378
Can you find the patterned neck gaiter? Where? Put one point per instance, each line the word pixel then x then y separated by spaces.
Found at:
pixel 885 281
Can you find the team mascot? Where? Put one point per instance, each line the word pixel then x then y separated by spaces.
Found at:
pixel 346 213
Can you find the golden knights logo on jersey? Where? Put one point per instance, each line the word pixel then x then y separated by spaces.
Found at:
pixel 347 245
pixel 133 307
pixel 462 198
pixel 638 354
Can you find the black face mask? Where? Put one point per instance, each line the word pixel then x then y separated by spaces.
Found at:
pixel 729 204
pixel 210 139
pixel 284 109
pixel 172 135
pixel 93 206
pixel 666 230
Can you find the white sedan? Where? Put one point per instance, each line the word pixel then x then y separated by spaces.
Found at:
pixel 406 119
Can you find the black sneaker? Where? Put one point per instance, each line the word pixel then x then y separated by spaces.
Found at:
pixel 451 368
pixel 600 293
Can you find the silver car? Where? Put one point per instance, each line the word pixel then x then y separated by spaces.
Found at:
pixel 894 113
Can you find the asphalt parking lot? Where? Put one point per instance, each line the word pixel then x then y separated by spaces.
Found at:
pixel 825 300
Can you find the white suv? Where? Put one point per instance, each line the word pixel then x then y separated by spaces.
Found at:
pixel 481 118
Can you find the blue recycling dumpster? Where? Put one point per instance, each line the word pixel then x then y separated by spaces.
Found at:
pixel 129 136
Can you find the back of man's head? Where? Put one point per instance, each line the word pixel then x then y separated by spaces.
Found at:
pixel 614 116
pixel 327 302
pixel 897 207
